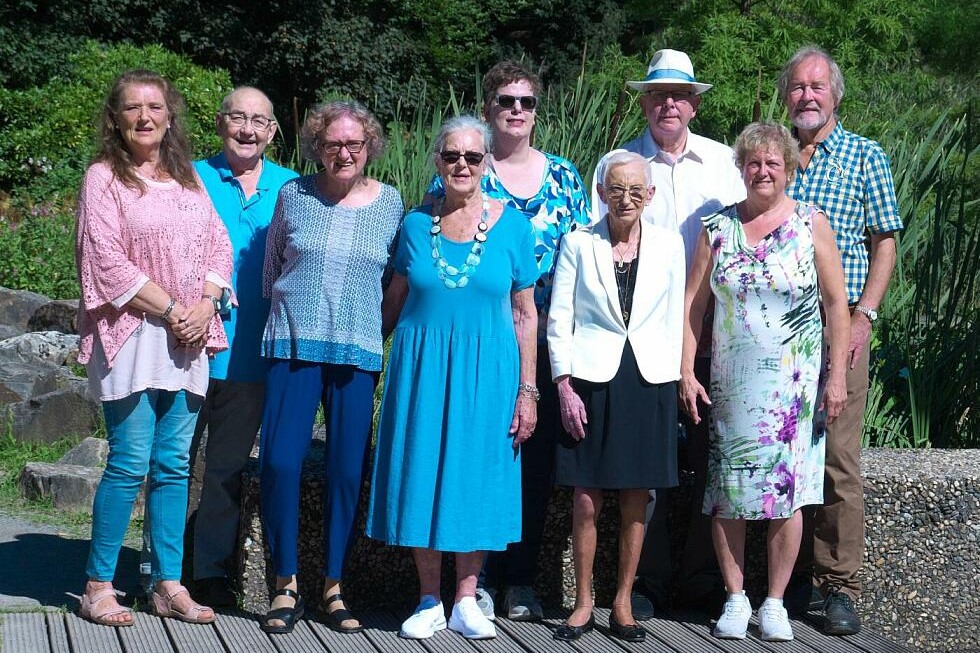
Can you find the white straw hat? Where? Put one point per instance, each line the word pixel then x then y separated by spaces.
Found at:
pixel 669 68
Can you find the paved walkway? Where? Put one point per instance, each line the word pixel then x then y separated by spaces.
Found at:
pixel 42 567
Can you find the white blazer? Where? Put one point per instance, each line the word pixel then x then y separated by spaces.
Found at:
pixel 586 331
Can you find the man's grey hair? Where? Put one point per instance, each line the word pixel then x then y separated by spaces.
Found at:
pixel 621 157
pixel 807 51
pixel 458 124
pixel 226 102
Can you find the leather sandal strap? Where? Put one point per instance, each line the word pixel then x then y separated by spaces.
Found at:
pixel 286 592
pixel 334 597
pixel 103 593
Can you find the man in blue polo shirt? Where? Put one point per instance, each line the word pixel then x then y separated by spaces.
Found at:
pixel 243 186
pixel 848 176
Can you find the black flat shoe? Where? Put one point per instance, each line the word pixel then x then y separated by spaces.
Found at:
pixel 627 633
pixel 289 616
pixel 569 633
pixel 335 620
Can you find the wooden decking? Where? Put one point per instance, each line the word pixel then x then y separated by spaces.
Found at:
pixel 58 632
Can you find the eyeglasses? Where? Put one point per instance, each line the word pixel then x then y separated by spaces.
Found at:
pixel 333 147
pixel 259 122
pixel 528 102
pixel 472 158
pixel 678 96
pixel 616 193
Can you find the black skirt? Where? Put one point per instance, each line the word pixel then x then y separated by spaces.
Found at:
pixel 631 437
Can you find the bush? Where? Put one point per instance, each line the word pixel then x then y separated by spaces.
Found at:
pixel 47 139
pixel 47 134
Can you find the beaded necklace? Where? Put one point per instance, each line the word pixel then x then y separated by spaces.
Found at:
pixel 453 277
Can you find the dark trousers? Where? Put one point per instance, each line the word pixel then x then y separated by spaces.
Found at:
pixel 518 564
pixel 699 573
pixel 294 389
pixel 232 414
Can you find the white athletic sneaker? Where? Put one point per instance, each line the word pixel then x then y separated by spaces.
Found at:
pixel 429 616
pixel 774 622
pixel 484 599
pixel 734 619
pixel 468 620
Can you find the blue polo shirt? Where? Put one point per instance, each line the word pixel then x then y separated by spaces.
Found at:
pixel 247 221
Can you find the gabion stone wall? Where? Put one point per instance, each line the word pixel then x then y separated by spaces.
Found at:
pixel 921 574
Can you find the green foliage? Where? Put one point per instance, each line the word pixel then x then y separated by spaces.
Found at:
pixel 47 132
pixel 927 365
pixel 37 247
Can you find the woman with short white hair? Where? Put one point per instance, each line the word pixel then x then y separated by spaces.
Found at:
pixel 614 335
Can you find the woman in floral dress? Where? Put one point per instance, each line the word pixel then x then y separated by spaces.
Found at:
pixel 764 261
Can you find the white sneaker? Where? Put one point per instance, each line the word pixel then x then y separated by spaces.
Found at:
pixel 734 619
pixel 429 617
pixel 468 620
pixel 774 622
pixel 484 600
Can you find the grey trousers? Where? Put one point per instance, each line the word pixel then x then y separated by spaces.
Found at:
pixel 232 415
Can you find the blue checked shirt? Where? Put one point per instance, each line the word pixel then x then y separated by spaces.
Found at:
pixel 850 179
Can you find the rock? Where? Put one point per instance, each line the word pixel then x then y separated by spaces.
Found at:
pixel 90 452
pixel 59 315
pixel 70 487
pixel 18 306
pixel 49 346
pixel 49 417
pixel 7 331
pixel 21 379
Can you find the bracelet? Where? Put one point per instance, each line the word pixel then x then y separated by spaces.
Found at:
pixel 529 391
pixel 170 308
pixel 215 302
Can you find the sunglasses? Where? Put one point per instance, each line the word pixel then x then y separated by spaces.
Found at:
pixel 472 158
pixel 528 102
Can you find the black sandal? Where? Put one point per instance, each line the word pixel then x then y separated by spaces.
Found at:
pixel 334 620
pixel 289 616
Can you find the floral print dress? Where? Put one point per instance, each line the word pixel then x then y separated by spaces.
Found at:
pixel 766 457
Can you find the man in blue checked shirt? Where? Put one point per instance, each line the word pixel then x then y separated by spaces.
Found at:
pixel 848 176
pixel 243 186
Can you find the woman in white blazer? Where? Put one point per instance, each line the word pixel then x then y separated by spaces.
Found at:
pixel 614 337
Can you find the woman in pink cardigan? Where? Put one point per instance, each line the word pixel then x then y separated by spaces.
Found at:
pixel 153 260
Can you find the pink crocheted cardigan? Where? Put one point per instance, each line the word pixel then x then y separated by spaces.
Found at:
pixel 170 234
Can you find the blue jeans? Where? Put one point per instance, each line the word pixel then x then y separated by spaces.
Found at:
pixel 149 433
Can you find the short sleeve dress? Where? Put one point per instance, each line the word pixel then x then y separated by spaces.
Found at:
pixel 446 475
pixel 766 458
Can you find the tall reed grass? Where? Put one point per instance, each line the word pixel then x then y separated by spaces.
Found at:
pixel 925 379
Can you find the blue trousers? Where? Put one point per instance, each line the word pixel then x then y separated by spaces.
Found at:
pixel 149 433
pixel 292 392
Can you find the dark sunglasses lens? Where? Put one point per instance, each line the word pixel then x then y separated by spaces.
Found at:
pixel 506 101
pixel 473 158
pixel 529 102
pixel 450 157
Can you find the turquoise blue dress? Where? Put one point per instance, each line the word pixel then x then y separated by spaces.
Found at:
pixel 446 475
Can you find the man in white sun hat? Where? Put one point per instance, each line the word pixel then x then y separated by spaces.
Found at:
pixel 694 176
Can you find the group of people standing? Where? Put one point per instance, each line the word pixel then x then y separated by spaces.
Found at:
pixel 530 344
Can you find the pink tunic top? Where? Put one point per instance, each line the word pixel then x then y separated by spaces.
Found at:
pixel 169 234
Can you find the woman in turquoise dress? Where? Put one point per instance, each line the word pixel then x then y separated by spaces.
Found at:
pixel 768 261
pixel 459 393
pixel 549 193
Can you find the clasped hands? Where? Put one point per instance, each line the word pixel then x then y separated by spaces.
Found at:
pixel 190 325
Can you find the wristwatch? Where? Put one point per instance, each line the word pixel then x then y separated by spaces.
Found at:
pixel 871 313
pixel 214 302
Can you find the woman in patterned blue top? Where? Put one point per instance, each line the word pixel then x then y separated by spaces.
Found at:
pixel 328 248
pixel 549 192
